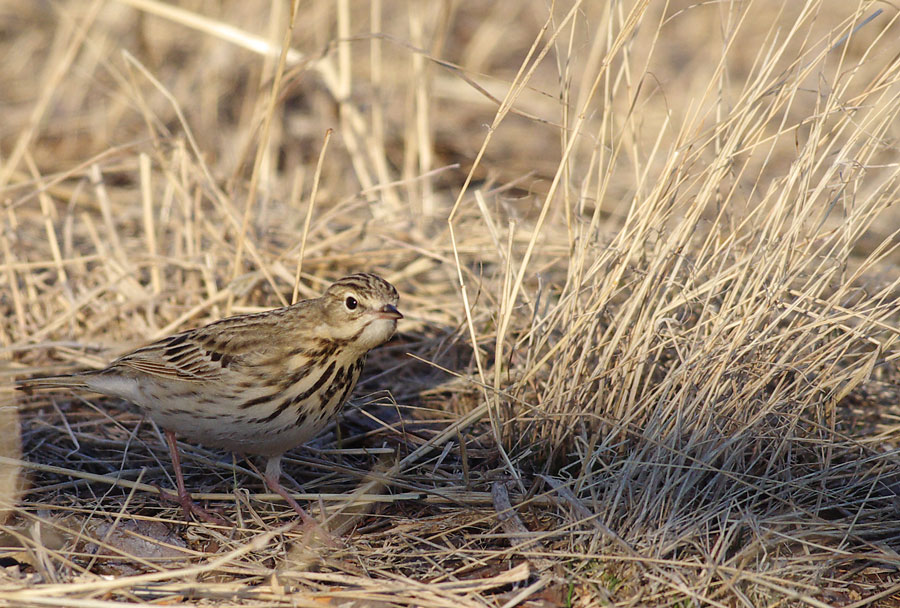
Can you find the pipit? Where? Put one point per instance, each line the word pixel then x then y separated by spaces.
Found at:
pixel 256 383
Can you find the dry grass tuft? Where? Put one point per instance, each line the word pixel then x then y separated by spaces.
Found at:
pixel 647 254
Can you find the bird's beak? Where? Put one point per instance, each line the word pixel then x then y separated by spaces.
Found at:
pixel 389 311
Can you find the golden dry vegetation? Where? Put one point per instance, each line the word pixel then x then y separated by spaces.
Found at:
pixel 647 254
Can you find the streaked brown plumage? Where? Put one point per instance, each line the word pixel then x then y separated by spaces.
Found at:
pixel 254 384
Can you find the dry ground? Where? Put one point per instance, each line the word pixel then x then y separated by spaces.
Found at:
pixel 648 257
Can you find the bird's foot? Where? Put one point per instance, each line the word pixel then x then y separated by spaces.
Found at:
pixel 188 506
pixel 310 526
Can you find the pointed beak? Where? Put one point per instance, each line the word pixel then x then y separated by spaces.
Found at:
pixel 389 311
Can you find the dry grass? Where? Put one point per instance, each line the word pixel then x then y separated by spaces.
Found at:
pixel 647 254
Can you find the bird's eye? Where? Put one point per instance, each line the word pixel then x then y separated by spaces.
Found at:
pixel 351 303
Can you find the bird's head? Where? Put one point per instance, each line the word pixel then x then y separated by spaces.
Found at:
pixel 362 309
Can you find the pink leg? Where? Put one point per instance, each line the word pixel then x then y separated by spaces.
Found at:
pixel 183 498
pixel 273 477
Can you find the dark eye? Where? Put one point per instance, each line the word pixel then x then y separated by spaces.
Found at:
pixel 351 303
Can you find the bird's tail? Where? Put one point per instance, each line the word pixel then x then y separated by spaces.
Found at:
pixel 68 381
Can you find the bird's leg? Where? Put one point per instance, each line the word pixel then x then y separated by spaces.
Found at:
pixel 272 477
pixel 273 480
pixel 183 498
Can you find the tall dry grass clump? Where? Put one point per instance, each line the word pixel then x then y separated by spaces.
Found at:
pixel 685 376
pixel 647 257
pixel 732 286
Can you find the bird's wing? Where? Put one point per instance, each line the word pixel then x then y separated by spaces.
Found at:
pixel 183 356
pixel 204 354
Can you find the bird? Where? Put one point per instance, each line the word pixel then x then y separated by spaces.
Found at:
pixel 252 384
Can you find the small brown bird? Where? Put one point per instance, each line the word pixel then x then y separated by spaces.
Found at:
pixel 253 384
